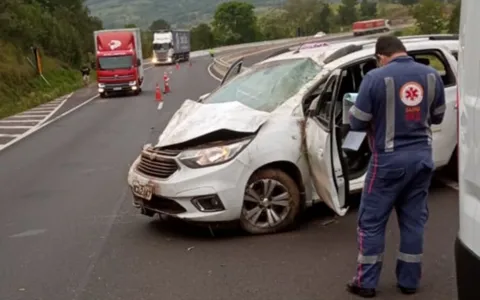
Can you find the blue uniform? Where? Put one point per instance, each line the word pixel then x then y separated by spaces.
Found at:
pixel 396 106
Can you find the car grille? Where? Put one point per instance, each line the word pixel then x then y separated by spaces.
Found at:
pixel 161 204
pixel 161 55
pixel 158 163
pixel 119 77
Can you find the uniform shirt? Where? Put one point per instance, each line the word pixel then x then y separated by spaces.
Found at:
pixel 397 104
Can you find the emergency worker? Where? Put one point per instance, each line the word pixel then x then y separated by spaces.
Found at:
pixel 396 105
pixel 211 52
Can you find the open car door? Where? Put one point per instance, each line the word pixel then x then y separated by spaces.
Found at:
pixel 233 71
pixel 326 167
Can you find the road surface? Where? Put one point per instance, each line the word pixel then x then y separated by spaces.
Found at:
pixel 68 230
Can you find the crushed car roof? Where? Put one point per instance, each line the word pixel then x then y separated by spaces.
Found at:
pixel 338 53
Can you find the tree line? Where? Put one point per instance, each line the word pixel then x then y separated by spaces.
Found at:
pixel 63 29
pixel 60 28
pixel 236 22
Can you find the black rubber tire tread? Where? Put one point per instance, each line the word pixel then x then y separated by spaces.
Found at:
pixel 293 189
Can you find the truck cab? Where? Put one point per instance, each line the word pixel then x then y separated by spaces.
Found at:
pixel 119 61
pixel 171 46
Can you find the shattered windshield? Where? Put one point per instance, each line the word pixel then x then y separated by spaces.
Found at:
pixel 269 85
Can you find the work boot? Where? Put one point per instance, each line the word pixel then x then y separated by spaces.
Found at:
pixel 406 291
pixel 352 288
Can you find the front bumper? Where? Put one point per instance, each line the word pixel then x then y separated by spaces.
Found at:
pixel 178 195
pixel 467 266
pixel 117 87
pixel 161 59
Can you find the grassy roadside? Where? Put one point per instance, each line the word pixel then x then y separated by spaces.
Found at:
pixel 21 88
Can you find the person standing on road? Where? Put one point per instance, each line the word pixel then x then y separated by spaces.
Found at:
pixel 85 74
pixel 396 105
pixel 211 52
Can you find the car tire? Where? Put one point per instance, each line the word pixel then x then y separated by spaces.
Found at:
pixel 103 95
pixel 256 213
pixel 147 212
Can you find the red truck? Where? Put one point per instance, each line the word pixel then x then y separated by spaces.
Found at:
pixel 370 26
pixel 119 61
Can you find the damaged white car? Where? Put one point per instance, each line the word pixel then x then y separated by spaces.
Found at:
pixel 267 142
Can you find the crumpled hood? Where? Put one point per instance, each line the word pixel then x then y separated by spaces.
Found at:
pixel 195 119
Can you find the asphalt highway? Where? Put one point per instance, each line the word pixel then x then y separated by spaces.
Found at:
pixel 68 230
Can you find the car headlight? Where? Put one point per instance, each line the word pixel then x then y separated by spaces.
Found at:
pixel 101 85
pixel 198 158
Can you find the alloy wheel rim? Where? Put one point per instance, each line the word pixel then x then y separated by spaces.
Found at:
pixel 267 203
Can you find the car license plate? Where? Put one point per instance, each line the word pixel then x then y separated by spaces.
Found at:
pixel 117 88
pixel 143 191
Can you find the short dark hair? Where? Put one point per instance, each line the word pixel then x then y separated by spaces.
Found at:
pixel 388 45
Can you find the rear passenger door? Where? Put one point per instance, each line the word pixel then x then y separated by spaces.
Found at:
pixel 444 135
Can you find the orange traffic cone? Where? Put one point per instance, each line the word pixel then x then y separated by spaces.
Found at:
pixel 166 86
pixel 158 94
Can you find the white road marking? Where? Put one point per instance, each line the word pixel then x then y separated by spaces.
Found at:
pixel 41 125
pixel 58 107
pixel 15 127
pixel 22 117
pixel 8 135
pixel 31 115
pixel 160 105
pixel 40 111
pixel 18 121
pixel 211 73
pixel 30 232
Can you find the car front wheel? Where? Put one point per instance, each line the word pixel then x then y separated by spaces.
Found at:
pixel 271 202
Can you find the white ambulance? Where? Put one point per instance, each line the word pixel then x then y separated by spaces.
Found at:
pixel 467 245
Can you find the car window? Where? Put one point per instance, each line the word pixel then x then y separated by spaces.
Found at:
pixel 326 101
pixel 267 86
pixel 434 60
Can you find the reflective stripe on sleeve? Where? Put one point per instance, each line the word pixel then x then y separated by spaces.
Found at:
pixel 360 114
pixel 409 258
pixel 370 259
pixel 440 110
pixel 389 114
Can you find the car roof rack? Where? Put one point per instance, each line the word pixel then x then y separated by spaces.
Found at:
pixel 431 37
pixel 342 52
pixel 281 51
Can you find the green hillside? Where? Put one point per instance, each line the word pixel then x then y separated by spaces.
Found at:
pixel 116 13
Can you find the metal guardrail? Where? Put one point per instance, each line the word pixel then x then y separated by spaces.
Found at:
pixel 222 64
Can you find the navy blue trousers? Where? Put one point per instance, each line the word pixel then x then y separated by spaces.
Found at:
pixel 397 180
